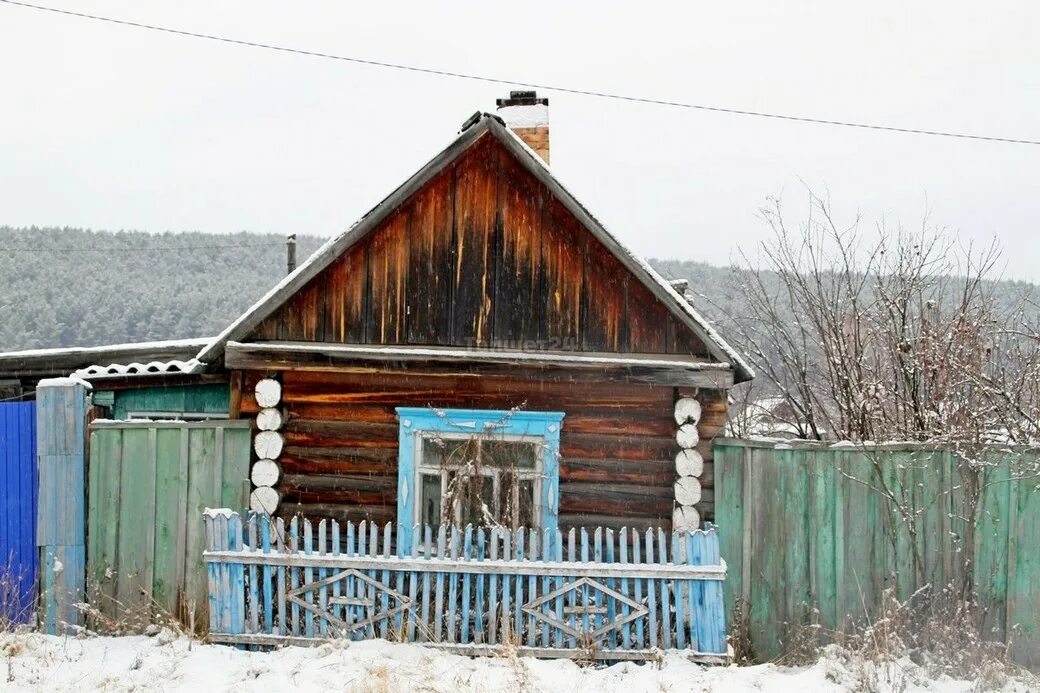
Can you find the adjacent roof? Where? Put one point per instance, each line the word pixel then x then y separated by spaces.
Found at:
pixel 143 357
pixel 483 124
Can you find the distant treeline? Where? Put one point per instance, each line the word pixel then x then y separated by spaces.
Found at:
pixel 76 287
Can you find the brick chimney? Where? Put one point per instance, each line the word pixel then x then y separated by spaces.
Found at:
pixel 527 116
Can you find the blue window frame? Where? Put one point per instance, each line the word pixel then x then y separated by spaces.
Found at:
pixel 426 475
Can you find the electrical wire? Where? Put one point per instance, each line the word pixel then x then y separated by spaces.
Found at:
pixel 520 83
pixel 148 249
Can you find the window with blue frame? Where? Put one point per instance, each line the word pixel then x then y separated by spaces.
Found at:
pixel 480 467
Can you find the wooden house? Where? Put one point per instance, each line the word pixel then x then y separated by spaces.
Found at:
pixel 482 292
pixel 477 357
pixel 477 347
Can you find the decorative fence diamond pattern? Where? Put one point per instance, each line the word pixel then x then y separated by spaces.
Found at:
pixel 469 590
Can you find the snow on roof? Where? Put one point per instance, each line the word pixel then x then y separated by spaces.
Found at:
pixel 105 348
pixel 132 358
pixel 493 124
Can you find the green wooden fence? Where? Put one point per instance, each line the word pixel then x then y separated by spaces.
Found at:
pixel 815 533
pixel 149 483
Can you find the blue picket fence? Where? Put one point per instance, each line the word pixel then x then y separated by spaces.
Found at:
pixel 598 595
pixel 18 500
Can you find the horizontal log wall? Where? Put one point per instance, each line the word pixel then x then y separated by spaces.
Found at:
pixel 617 442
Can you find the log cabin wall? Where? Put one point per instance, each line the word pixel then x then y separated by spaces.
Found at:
pixel 483 255
pixel 617 441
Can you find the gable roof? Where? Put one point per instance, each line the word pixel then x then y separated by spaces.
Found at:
pixel 480 125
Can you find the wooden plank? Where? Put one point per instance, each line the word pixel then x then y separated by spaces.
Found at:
pixel 136 519
pixel 1023 602
pixel 388 254
pixel 467 554
pixel 438 614
pixel 520 296
pixel 590 366
pixel 104 504
pixel 171 483
pixel 473 269
pixel 430 263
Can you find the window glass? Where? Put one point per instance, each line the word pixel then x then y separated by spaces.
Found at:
pixel 430 499
pixel 476 480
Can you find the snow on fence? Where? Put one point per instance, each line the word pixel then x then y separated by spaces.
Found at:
pixel 611 596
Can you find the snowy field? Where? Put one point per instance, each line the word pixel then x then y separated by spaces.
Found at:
pixel 34 662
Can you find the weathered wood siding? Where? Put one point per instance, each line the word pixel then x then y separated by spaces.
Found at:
pixel 201 398
pixel 483 255
pixel 148 484
pixel 617 441
pixel 808 535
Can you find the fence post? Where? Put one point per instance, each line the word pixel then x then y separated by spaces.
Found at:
pixel 61 410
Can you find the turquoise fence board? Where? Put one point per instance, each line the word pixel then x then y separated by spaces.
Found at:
pixel 149 482
pixel 814 534
pixel 18 498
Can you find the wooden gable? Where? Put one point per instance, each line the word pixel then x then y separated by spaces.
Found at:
pixel 482 255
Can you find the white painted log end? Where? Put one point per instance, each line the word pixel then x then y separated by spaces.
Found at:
pixel 268 444
pixel 264 499
pixel 685 519
pixel 687 410
pixel 268 392
pixel 687 436
pixel 265 473
pixel 687 491
pixel 269 419
pixel 689 463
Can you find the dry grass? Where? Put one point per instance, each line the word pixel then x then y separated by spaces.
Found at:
pixel 930 635
pixel 14 611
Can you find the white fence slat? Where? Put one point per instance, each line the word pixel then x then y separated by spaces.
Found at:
pixel 452 614
pixel 282 614
pixel 666 617
pixel 438 617
pixel 492 628
pixel 384 623
pixel 337 608
pixel 572 597
pixel 254 584
pixel 428 549
pixel 467 554
pixel 638 584
pixel 323 595
pixel 507 554
pixel 518 584
pixel 481 607
pixel 626 630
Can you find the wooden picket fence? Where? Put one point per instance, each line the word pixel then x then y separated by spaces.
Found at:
pixel 611 596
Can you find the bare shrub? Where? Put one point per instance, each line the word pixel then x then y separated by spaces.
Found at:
pixel 927 636
pixel 107 615
pixel 740 634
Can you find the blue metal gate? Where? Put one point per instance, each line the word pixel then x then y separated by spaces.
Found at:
pixel 18 497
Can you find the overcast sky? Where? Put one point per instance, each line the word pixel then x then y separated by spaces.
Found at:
pixel 117 128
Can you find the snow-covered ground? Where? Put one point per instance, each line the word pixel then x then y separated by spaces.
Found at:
pixel 33 662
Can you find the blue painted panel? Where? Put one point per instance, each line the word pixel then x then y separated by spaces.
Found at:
pixel 417 421
pixel 18 499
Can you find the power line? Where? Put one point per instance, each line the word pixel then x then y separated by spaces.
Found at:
pixel 144 249
pixel 518 83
